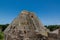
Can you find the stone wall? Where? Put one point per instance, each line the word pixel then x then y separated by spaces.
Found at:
pixel 52 36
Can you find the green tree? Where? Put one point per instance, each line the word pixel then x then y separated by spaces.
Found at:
pixel 4 27
pixel 52 27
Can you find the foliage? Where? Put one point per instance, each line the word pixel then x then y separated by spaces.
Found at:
pixel 52 27
pixel 1 36
pixel 3 27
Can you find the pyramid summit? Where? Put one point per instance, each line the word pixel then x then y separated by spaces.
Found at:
pixel 26 27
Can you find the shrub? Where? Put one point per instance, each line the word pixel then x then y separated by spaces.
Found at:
pixel 1 36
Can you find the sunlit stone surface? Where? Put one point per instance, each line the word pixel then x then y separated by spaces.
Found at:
pixel 26 27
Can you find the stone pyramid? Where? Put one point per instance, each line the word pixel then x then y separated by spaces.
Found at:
pixel 25 27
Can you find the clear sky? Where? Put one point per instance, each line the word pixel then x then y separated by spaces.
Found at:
pixel 48 11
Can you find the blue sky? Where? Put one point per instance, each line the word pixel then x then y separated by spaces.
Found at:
pixel 48 11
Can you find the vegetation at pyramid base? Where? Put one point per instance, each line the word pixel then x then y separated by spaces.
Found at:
pixel 3 27
pixel 1 35
pixel 52 27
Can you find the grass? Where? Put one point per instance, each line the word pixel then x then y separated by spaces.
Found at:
pixel 1 36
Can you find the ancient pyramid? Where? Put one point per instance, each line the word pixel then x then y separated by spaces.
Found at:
pixel 25 27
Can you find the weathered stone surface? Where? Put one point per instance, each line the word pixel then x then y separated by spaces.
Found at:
pixel 26 27
pixel 55 35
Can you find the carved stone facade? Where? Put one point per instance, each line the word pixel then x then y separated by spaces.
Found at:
pixel 28 27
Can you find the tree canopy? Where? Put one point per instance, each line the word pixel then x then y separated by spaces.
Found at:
pixel 52 27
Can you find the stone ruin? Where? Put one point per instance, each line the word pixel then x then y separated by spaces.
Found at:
pixel 28 27
pixel 55 35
